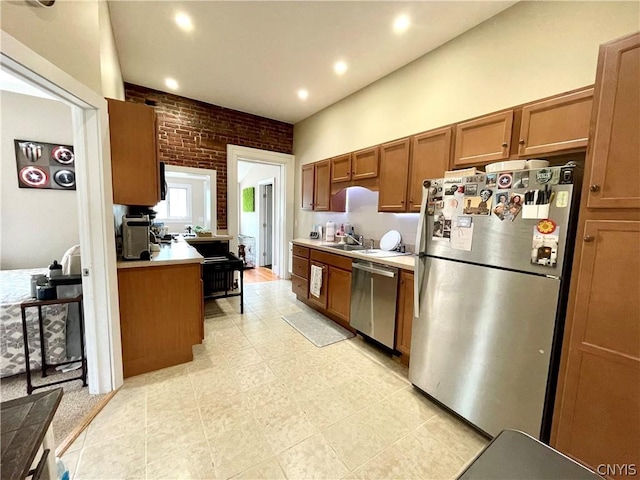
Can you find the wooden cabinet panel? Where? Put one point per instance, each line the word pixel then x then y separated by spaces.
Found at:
pixel 339 293
pixel 134 161
pixel 300 286
pixel 161 315
pixel 320 301
pixel 555 125
pixel 301 251
pixel 599 415
pixel 615 147
pixel 300 267
pixel 394 169
pixel 483 140
pixel 430 154
pixel 341 168
pixel 322 186
pixel 325 258
pixel 404 319
pixel 364 163
pixel 307 182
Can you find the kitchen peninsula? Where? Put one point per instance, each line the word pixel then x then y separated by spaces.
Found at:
pixel 161 308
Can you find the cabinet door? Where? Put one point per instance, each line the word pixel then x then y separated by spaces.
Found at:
pixel 320 301
pixel 307 186
pixel 430 154
pixel 134 162
pixel 341 168
pixel 322 186
pixel 394 169
pixel 404 321
pixel 555 125
pixel 615 148
pixel 339 293
pixel 483 140
pixel 599 414
pixel 364 163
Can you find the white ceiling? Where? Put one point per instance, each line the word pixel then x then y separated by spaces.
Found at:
pixel 254 56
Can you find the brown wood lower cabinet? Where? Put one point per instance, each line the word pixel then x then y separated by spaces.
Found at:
pixel 404 319
pixel 339 293
pixel 161 316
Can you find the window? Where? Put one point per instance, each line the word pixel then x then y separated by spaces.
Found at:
pixel 177 206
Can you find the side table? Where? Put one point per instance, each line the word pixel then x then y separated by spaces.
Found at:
pixel 83 358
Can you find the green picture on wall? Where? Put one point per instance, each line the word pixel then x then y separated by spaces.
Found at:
pixel 248 199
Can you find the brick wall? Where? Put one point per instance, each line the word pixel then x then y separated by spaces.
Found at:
pixel 196 134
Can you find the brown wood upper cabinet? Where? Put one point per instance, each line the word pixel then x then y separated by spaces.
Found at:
pixel 430 155
pixel 341 168
pixel 316 188
pixel 394 169
pixel 134 156
pixel 307 182
pixel 483 140
pixel 615 148
pixel 554 125
pixel 364 163
pixel 404 164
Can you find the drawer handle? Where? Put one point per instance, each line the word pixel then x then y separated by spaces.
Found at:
pixel 521 142
pixel 594 188
pixel 504 144
pixel 588 238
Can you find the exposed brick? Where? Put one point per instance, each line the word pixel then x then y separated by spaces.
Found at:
pixel 196 134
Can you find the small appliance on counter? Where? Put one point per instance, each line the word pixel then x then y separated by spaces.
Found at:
pixel 135 237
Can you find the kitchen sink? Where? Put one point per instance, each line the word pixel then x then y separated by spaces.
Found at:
pixel 345 247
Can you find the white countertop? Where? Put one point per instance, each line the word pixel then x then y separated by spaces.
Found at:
pixel 173 253
pixel 406 262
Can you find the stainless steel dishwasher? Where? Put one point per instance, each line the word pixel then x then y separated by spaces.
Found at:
pixel 374 288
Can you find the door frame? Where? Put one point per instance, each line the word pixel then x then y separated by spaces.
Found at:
pixel 275 260
pixel 285 207
pixel 90 123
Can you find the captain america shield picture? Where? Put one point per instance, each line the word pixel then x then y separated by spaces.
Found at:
pixel 32 151
pixel 62 154
pixel 34 177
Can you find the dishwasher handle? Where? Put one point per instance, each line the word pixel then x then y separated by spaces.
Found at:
pixel 377 271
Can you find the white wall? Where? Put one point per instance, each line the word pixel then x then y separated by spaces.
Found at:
pixel 529 51
pixel 36 226
pixel 75 36
pixel 249 220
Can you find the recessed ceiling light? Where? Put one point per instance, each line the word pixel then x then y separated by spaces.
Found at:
pixel 303 94
pixel 171 83
pixel 401 24
pixel 184 22
pixel 340 67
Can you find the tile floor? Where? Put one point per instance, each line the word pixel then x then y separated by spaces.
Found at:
pixel 260 401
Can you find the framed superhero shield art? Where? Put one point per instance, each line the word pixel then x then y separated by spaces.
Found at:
pixel 45 165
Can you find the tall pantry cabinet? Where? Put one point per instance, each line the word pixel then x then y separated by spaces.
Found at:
pixel 597 416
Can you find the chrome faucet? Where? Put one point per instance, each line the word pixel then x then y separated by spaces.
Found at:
pixel 372 244
pixel 358 240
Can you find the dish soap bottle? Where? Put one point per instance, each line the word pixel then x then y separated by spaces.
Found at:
pixel 330 232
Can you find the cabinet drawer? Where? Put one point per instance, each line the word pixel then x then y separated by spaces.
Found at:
pixel 301 251
pixel 331 259
pixel 299 286
pixel 300 267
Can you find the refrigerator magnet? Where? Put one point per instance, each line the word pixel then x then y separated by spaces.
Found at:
pixel 505 180
pixel 471 190
pixel 464 221
pixel 544 247
pixel 492 179
pixel 521 179
pixel 476 206
pixel 562 200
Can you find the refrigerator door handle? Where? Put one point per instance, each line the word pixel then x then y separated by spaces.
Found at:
pixel 421 249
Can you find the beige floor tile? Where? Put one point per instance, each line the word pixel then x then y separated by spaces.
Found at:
pixel 174 433
pixel 217 420
pixel 243 358
pixel 116 422
pixel 305 386
pixel 335 374
pixel 167 387
pixel 384 422
pixel 288 366
pixel 326 408
pixel 267 470
pixel 192 462
pixel 354 441
pixel 261 337
pixel 312 459
pixel 78 443
pixel 163 405
pixel 273 349
pixel 253 326
pixel 383 380
pixel 230 344
pixel 264 399
pixel 167 373
pixel 286 427
pixel 254 375
pixel 238 450
pixel 359 394
pixel 429 456
pixel 391 464
pixel 124 458
pixel 454 434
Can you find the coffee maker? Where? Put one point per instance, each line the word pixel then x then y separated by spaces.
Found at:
pixel 135 237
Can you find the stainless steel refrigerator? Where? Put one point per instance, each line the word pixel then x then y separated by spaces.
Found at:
pixel 491 277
